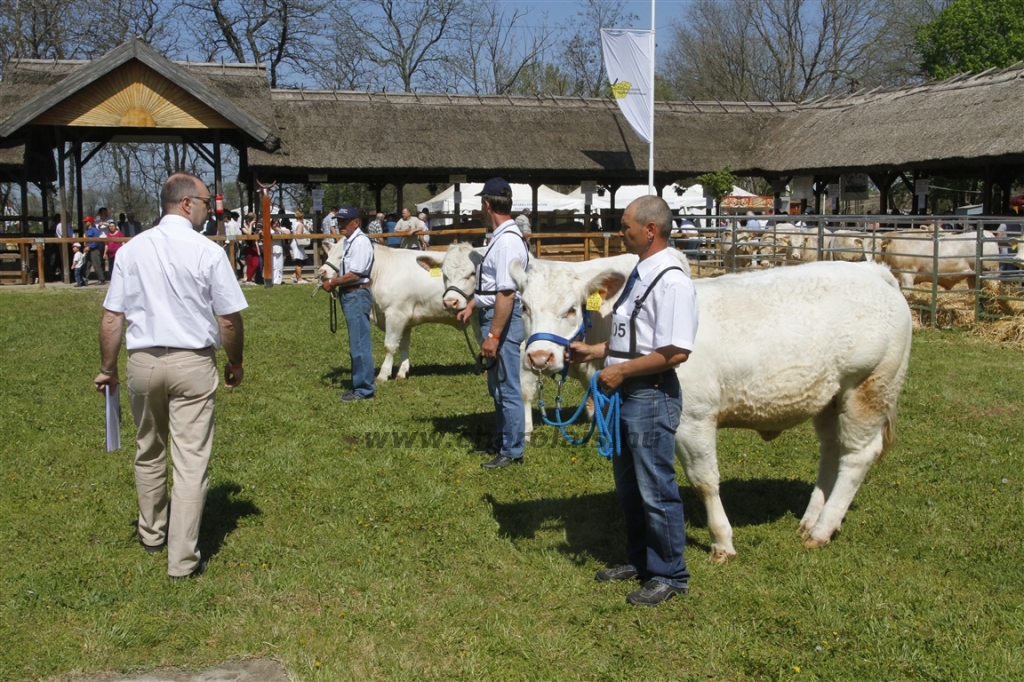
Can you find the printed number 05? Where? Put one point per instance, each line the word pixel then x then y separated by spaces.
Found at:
pixel 619 329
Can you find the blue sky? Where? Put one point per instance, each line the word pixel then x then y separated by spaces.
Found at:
pixel 560 12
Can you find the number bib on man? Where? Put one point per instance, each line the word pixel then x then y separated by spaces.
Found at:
pixel 658 310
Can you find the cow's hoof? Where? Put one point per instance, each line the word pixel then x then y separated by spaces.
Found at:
pixel 400 377
pixel 721 556
pixel 812 543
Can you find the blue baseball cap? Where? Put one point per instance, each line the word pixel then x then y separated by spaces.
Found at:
pixel 348 212
pixel 494 186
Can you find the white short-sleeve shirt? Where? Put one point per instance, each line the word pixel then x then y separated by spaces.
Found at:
pixel 358 256
pixel 669 315
pixel 171 282
pixel 506 246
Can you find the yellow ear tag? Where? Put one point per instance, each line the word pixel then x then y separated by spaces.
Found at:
pixel 435 271
pixel 594 301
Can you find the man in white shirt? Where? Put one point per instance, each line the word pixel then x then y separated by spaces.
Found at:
pixel 356 302
pixel 329 225
pixel 501 321
pixel 408 227
pixel 654 324
pixel 180 297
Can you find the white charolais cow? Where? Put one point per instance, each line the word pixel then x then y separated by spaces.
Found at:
pixel 824 341
pixel 459 270
pixel 407 287
pixel 911 255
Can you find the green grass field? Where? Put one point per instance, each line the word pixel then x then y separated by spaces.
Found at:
pixel 349 560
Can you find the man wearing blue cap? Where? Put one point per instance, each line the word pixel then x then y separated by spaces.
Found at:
pixel 501 319
pixel 353 280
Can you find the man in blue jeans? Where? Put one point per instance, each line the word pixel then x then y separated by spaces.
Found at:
pixel 654 324
pixel 353 281
pixel 501 320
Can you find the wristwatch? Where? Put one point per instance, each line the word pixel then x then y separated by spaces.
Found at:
pixel 108 372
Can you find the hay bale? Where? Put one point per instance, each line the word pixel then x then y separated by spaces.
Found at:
pixel 1009 331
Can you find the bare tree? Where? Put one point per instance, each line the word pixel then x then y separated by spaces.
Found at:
pixel 408 39
pixel 581 60
pixel 275 32
pixel 500 48
pixel 788 49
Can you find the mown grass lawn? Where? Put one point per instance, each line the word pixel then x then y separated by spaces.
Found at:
pixel 352 562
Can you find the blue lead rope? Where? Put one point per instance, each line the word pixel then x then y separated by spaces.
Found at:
pixel 606 419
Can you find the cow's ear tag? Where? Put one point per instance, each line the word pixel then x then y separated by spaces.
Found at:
pixel 594 301
pixel 435 271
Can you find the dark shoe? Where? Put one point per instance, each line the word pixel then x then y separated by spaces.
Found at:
pixel 352 396
pixel 500 462
pixel 199 570
pixel 489 451
pixel 152 549
pixel 653 593
pixel 617 573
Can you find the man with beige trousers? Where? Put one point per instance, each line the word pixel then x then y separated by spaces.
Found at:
pixel 179 294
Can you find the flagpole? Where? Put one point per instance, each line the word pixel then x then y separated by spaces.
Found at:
pixel 650 158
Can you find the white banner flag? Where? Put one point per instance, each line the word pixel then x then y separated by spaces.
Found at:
pixel 628 56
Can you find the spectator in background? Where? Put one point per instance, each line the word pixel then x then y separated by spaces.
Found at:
pixel 112 247
pixel 298 245
pixel 252 248
pixel 210 227
pixel 408 227
pixel 104 223
pixel 329 225
pixel 523 222
pixel 132 227
pixel 389 228
pixel 376 226
pixel 276 252
pixel 78 263
pixel 424 238
pixel 94 250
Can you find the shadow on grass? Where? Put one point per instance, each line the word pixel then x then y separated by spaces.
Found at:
pixel 593 523
pixel 221 516
pixel 478 429
pixel 332 377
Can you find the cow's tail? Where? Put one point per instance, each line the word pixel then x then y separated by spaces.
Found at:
pixel 889 429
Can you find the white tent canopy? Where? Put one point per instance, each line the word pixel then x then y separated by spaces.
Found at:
pixel 522 197
pixel 691 201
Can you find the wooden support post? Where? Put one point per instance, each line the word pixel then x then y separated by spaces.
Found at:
pixel 400 196
pixel 218 181
pixel 41 265
pixel 457 219
pixel 534 211
pixel 268 244
pixel 79 202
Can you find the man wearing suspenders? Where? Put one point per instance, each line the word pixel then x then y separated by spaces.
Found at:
pixel 356 301
pixel 654 323
pixel 501 320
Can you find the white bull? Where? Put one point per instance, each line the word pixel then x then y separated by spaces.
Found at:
pixel 459 270
pixel 825 341
pixel 911 254
pixel 405 295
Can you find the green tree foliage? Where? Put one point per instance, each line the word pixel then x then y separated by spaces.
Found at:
pixel 718 184
pixel 972 35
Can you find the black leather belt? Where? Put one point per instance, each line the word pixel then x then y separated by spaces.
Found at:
pixel 651 380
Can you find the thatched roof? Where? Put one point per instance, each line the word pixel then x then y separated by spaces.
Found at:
pixel 360 135
pixel 964 122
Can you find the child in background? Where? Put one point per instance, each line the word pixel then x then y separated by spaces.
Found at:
pixel 78 262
